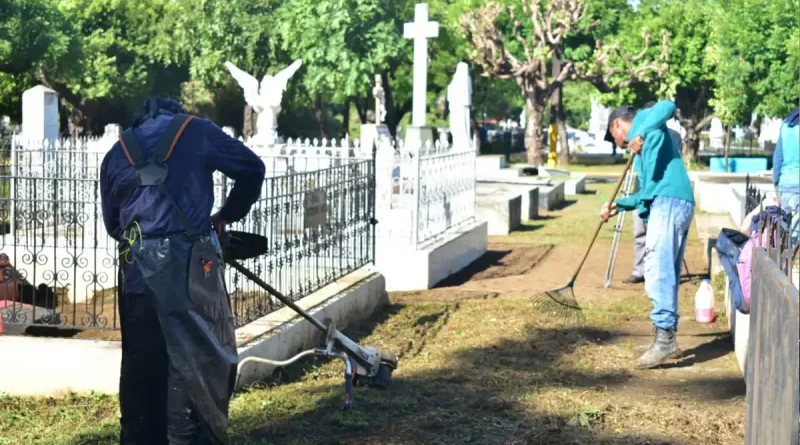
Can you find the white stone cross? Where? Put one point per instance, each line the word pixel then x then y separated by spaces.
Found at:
pixel 420 30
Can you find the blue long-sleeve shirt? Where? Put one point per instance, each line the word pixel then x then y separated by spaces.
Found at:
pixel 786 160
pixel 203 149
pixel 660 170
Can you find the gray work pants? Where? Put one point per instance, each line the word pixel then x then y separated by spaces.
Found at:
pixel 639 237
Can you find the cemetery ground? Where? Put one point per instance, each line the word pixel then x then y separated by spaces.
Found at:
pixel 478 365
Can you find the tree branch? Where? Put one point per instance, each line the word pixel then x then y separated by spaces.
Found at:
pixel 490 51
pixel 699 127
pixel 604 71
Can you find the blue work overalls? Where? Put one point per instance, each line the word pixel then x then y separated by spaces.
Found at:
pixel 183 274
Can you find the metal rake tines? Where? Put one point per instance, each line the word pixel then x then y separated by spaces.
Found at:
pixel 560 304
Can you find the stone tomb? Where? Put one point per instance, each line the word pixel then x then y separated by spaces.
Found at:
pixel 493 170
pixel 500 207
pixel 574 183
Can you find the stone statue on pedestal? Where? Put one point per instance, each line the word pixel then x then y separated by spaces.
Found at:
pixel 380 100
pixel 266 99
pixel 459 96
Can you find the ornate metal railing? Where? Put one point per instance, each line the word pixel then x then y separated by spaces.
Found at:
pixel 446 191
pixel 753 196
pixel 59 266
pixel 320 225
pixel 422 194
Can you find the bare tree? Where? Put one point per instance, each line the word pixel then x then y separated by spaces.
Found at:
pixel 541 66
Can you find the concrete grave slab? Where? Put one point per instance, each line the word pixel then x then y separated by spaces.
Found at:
pixel 550 197
pixel 501 209
pixel 529 194
pixel 575 185
pixel 407 269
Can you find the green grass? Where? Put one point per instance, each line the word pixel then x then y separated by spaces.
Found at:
pixel 480 371
pixel 575 222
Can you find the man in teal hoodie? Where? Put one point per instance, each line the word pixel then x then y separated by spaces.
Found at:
pixel 786 168
pixel 666 201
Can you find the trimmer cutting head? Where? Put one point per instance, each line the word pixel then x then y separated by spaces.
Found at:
pixel 373 367
pixel 366 365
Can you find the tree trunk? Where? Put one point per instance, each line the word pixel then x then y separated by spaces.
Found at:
pixel 534 142
pixel 391 111
pixel 319 113
pixel 563 140
pixel 346 118
pixel 248 128
pixel 361 109
pixel 557 110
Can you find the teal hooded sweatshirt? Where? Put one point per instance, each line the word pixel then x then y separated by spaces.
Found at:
pixel 660 167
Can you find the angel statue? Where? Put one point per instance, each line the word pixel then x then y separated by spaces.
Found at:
pixel 266 99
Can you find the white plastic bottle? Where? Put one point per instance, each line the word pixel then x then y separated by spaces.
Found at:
pixel 704 303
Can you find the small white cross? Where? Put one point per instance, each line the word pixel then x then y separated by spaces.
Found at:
pixel 420 30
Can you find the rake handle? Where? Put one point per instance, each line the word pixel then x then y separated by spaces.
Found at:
pixel 600 226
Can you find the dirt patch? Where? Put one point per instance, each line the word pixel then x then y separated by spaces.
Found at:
pixel 479 280
pixel 501 260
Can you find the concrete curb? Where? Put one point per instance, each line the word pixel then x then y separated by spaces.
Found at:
pixel 56 366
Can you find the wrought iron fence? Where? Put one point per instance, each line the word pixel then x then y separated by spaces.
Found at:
pixel 772 359
pixel 753 196
pixel 446 192
pixel 320 225
pixel 58 263
pixel 423 193
pixel 59 266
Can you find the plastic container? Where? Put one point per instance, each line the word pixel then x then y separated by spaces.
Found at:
pixel 704 303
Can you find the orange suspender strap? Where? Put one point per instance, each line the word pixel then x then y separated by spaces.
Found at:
pixel 165 147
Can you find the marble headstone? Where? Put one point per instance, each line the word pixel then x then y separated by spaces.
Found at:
pixel 598 120
pixel 459 97
pixel 40 114
pixel 716 135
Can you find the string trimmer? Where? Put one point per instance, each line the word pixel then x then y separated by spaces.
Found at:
pixel 369 366
pixel 562 302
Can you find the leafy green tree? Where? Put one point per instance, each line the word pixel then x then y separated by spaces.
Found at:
pixel 690 79
pixel 527 42
pixel 34 35
pixel 756 58
pixel 343 44
pixel 203 34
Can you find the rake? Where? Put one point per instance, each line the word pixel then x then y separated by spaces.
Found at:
pixel 561 303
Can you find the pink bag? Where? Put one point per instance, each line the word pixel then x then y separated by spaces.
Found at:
pixel 745 267
pixel 745 264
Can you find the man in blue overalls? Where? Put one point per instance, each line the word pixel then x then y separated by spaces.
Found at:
pixel 178 346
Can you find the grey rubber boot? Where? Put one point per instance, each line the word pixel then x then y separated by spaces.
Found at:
pixel 663 348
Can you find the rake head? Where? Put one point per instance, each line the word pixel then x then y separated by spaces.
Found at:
pixel 561 304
